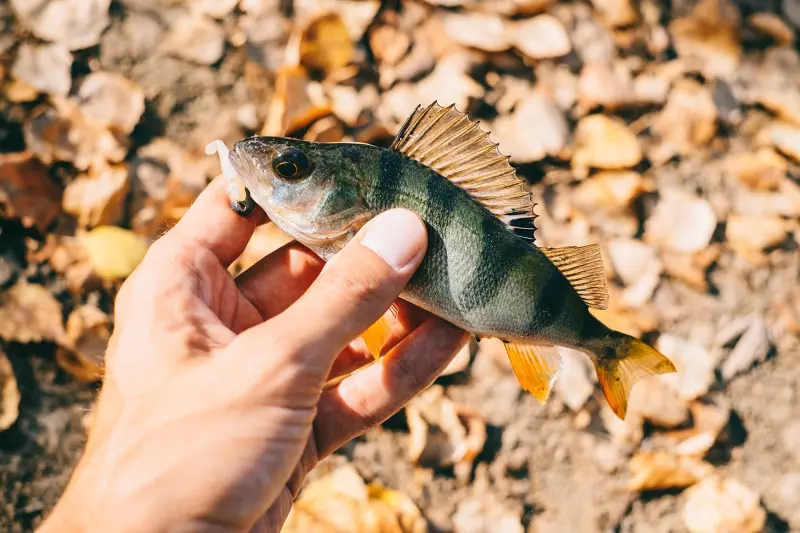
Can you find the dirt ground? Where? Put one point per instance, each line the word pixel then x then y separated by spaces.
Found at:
pixel 557 469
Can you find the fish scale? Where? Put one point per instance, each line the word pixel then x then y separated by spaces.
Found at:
pixel 482 271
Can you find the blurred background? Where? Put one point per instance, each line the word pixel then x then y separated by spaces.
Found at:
pixel 666 131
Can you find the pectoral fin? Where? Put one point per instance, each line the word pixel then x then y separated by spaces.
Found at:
pixel 536 367
pixel 377 334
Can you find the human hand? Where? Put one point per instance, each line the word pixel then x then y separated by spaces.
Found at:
pixel 213 406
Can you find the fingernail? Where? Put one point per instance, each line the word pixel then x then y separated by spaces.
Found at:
pixel 397 236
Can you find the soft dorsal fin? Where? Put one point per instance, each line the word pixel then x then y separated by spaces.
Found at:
pixel 583 268
pixel 447 141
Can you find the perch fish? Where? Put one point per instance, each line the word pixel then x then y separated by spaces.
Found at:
pixel 482 271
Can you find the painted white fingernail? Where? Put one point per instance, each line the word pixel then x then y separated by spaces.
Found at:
pixel 397 236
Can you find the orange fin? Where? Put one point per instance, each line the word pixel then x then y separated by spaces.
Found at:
pixel 376 335
pixel 617 376
pixel 583 268
pixel 536 367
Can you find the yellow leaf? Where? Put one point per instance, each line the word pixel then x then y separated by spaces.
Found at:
pixel 9 394
pixel 114 252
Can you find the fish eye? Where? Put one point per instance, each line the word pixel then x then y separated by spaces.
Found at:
pixel 291 164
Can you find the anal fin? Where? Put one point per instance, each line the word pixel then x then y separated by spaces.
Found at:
pixel 377 334
pixel 583 268
pixel 536 367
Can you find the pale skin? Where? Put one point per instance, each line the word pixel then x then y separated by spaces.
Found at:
pixel 214 404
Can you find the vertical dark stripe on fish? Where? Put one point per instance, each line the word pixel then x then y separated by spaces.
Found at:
pixel 352 153
pixel 551 299
pixel 389 174
pixel 487 279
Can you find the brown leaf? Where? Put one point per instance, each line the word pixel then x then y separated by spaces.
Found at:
pixel 478 30
pixel 27 192
pixel 681 222
pixel 708 39
pixel 664 470
pixel 62 133
pixel 540 37
pixel 325 43
pixel 30 313
pixel 111 100
pixel 341 502
pixel 98 197
pixel 76 24
pixel 772 25
pixel 88 331
pixel 295 104
pixel 616 12
pixel 536 129
pixel 688 121
pixel 44 67
pixel 605 143
pixel 763 170
pixel 723 505
pixel 197 38
pixel 9 394
pixel 443 433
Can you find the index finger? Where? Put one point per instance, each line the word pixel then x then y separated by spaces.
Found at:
pixel 211 224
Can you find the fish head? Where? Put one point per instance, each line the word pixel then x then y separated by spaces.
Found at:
pixel 303 189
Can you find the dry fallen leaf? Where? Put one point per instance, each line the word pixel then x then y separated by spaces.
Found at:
pixel 653 400
pixel 27 192
pixel 325 44
pixel 295 104
pixel 534 130
pixel 88 331
pixel 97 198
pixel 708 39
pixel 44 67
pixel 772 25
pixel 753 234
pixel 113 252
pixel 197 38
pixel 62 133
pixel 575 383
pixel 342 502
pixel 30 313
pixel 616 12
pixel 723 505
pixel 540 37
pixel 111 100
pixel 605 143
pixel 662 470
pixel 695 366
pixel 763 170
pixel 76 24
pixel 786 138
pixel 709 418
pixel 9 394
pixel 681 222
pixel 687 122
pixel 443 433
pixel 484 31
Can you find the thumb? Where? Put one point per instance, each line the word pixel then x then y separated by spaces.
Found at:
pixel 353 291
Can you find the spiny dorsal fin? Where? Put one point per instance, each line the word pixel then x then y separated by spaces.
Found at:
pixel 583 267
pixel 447 141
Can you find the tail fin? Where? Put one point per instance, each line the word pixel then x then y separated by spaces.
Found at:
pixel 632 360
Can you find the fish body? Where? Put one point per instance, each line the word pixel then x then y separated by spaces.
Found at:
pixel 481 271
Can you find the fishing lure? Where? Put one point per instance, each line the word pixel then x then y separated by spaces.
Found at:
pixel 482 271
